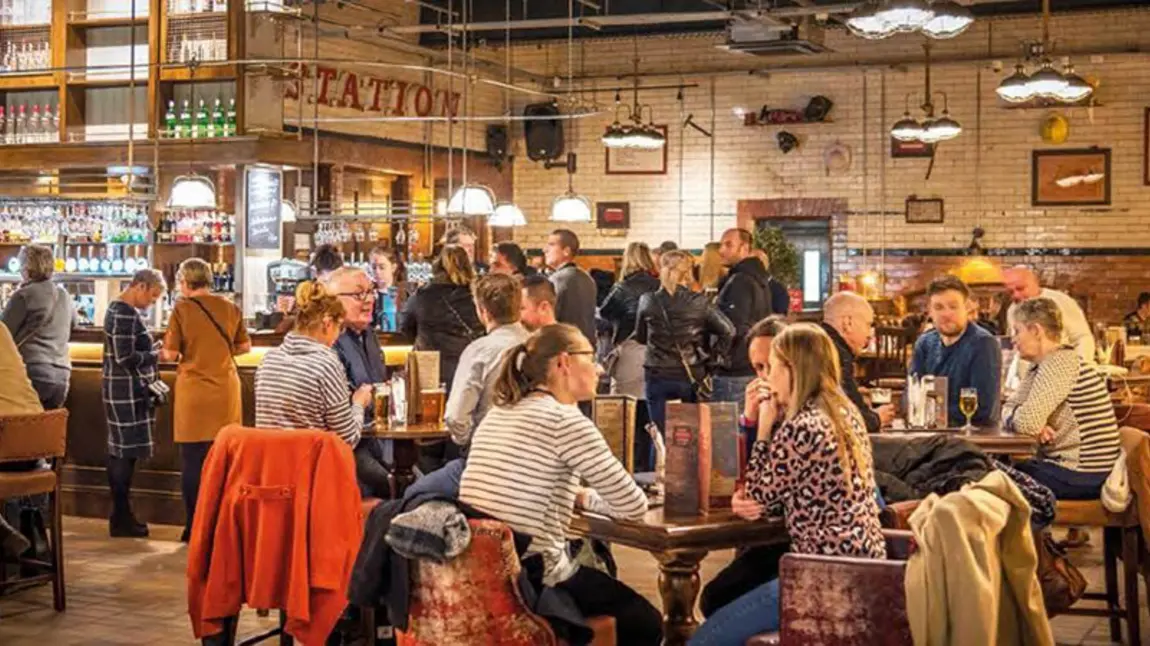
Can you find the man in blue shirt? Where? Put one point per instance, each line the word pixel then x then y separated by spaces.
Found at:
pixel 966 354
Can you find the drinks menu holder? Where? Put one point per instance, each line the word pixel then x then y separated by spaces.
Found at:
pixel 702 456
pixel 422 377
pixel 614 415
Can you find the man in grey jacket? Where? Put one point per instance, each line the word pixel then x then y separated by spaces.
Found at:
pixel 574 288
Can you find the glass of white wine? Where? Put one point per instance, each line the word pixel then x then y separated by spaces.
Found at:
pixel 968 404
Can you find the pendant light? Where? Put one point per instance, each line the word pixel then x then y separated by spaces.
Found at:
pixel 470 199
pixel 1076 88
pixel 192 191
pixel 1047 83
pixel 866 23
pixel 929 130
pixel 641 136
pixel 1016 87
pixel 906 15
pixel 940 19
pixel 949 20
pixel 570 206
pixel 507 215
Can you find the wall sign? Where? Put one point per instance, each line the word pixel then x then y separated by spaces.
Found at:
pixel 924 211
pixel 340 88
pixel 909 149
pixel 263 198
pixel 613 215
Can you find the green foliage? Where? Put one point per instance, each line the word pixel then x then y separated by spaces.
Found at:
pixel 784 256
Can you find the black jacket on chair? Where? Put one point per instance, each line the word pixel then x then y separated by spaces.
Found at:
pixel 745 298
pixel 441 316
pixel 622 303
pixel 685 322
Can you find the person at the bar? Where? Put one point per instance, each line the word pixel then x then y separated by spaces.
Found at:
pixel 508 258
pixel 40 317
pixel 527 461
pixel 849 321
pixel 441 315
pixel 465 238
pixel 301 384
pixel 960 350
pixel 1022 284
pixel 497 300
pixel 745 299
pixel 1064 402
pixel 390 276
pixel 575 290
pixel 130 359
pixel 205 332
pixel 324 260
pixel 362 358
pixel 1136 322
pixel 814 469
pixel 538 309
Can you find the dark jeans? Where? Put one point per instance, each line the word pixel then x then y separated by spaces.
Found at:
pixel 1067 484
pixel 661 390
pixel 751 568
pixel 120 471
pixel 51 394
pixel 370 470
pixel 192 455
pixel 637 622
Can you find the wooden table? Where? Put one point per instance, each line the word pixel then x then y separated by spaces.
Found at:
pixel 406 451
pixel 994 441
pixel 679 544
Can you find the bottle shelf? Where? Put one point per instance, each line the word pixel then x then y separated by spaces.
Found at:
pixel 31 27
pixel 96 20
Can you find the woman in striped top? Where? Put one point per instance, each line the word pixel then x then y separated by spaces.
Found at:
pixel 302 384
pixel 1064 402
pixel 528 456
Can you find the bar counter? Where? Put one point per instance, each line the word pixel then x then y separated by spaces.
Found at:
pixel 156 486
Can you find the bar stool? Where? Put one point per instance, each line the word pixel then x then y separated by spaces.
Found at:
pixel 26 438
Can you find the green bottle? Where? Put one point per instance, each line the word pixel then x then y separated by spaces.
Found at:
pixel 185 126
pixel 170 124
pixel 201 120
pixel 216 127
pixel 230 119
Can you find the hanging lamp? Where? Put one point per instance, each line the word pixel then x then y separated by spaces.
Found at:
pixel 1048 83
pixel 470 199
pixel 949 20
pixel 192 191
pixel 929 130
pixel 905 15
pixel 866 23
pixel 507 215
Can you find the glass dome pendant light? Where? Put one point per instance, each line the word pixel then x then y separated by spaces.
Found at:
pixel 192 191
pixel 507 215
pixel 906 15
pixel 950 19
pixel 1047 83
pixel 866 23
pixel 469 199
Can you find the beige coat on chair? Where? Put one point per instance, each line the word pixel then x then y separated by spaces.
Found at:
pixel 972 580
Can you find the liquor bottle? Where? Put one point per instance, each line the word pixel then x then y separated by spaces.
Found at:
pixel 170 123
pixel 216 127
pixel 230 119
pixel 51 124
pixel 184 128
pixel 22 125
pixel 3 127
pixel 201 120
pixel 35 126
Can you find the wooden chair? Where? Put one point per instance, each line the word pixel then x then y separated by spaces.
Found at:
pixel 837 601
pixel 892 352
pixel 25 438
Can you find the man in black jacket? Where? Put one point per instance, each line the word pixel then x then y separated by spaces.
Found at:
pixel 849 320
pixel 745 298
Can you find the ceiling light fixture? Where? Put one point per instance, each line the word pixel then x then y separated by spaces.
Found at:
pixel 570 206
pixel 471 199
pixel 940 19
pixel 643 136
pixel 192 192
pixel 929 130
pixel 1047 83
pixel 507 215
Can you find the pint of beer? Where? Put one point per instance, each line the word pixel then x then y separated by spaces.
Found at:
pixel 382 404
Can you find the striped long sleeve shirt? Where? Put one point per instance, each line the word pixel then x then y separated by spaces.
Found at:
pixel 525 466
pixel 302 384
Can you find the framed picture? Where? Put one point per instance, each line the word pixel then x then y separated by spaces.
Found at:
pixel 924 211
pixel 1146 148
pixel 910 149
pixel 632 161
pixel 613 215
pixel 1070 177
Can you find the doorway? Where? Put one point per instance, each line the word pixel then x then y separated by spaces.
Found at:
pixel 811 237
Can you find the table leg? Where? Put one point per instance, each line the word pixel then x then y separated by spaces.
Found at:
pixel 406 455
pixel 679 588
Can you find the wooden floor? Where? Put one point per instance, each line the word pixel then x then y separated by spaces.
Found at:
pixel 132 592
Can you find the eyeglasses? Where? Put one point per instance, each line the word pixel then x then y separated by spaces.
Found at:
pixel 362 297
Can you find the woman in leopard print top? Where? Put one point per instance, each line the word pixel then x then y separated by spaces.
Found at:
pixel 815 471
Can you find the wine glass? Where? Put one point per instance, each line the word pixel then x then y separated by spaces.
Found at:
pixel 968 404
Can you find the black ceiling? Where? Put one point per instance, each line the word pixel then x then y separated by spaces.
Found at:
pixel 496 11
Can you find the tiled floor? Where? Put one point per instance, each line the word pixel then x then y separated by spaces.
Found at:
pixel 132 592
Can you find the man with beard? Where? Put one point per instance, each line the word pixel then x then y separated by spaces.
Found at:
pixel 966 354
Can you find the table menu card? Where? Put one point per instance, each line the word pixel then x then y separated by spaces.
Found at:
pixel 614 415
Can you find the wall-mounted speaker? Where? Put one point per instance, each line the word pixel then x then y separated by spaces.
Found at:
pixel 544 136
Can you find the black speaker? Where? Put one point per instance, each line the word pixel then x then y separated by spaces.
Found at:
pixel 497 144
pixel 544 136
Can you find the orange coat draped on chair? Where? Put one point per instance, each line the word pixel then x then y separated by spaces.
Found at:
pixel 277 526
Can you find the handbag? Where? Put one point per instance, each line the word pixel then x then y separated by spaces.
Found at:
pixel 471 333
pixel 1062 584
pixel 220 329
pixel 703 387
pixel 1116 490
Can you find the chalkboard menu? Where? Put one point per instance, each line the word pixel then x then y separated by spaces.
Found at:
pixel 263 199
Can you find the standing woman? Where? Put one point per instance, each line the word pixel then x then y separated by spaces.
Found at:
pixel 129 369
pixel 390 278
pixel 441 315
pixel 39 315
pixel 811 464
pixel 684 333
pixel 710 270
pixel 205 332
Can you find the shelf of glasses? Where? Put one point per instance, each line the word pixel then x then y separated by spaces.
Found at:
pixel 97 21
pixel 33 27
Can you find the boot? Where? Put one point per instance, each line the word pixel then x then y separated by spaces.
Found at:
pixel 125 525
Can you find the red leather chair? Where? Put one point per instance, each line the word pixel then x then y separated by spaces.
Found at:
pixel 473 599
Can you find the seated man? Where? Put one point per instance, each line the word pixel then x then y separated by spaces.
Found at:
pixel 958 349
pixel 849 320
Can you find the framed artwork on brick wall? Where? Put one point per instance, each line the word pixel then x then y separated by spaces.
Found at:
pixel 613 215
pixel 634 161
pixel 924 210
pixel 910 149
pixel 1078 177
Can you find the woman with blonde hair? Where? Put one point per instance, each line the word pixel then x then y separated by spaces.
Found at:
pixel 814 469
pixel 441 315
pixel 205 332
pixel 528 459
pixel 710 270
pixel 684 333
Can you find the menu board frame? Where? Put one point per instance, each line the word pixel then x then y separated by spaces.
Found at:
pixel 263 220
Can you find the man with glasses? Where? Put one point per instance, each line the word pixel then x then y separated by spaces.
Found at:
pixel 362 358
pixel 849 320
